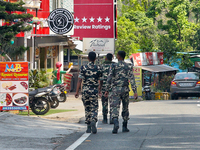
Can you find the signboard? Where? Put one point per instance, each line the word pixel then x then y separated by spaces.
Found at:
pixel 137 71
pixel 98 45
pixel 14 86
pixel 94 19
pixel 60 21
pixel 148 58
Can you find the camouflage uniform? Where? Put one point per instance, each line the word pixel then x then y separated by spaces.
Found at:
pixel 105 71
pixel 90 74
pixel 120 75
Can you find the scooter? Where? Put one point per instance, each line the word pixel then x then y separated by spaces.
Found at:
pixel 147 90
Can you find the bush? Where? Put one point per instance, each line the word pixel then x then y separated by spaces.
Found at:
pixel 164 84
pixel 39 79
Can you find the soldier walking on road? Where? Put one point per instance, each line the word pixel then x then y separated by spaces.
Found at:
pixel 105 71
pixel 89 76
pixel 119 77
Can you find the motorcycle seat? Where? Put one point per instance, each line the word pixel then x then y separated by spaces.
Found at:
pixel 32 93
pixel 42 90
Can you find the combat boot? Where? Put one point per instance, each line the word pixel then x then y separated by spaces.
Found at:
pixel 124 127
pixel 111 120
pixel 88 128
pixel 116 125
pixel 93 127
pixel 105 120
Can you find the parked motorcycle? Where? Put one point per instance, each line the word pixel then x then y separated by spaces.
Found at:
pixel 147 91
pixel 38 102
pixel 62 97
pixel 42 99
pixel 53 96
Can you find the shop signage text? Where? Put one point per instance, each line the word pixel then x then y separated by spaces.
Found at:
pixel 98 45
pixel 60 21
pixel 14 86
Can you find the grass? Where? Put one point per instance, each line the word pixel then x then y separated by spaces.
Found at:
pixel 51 111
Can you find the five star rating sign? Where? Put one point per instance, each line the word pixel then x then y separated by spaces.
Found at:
pixel 91 19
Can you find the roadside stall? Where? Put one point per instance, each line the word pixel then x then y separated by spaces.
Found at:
pixel 153 72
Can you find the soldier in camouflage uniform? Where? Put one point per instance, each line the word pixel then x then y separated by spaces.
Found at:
pixel 119 77
pixel 89 76
pixel 105 70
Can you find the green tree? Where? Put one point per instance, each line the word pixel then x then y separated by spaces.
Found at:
pixel 126 37
pixel 177 14
pixel 155 9
pixel 196 9
pixel 16 23
pixel 185 62
pixel 169 48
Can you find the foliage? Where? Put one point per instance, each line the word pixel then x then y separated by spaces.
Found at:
pixel 160 25
pixel 164 84
pixel 126 37
pixel 185 62
pixel 168 47
pixel 73 52
pixel 15 23
pixel 135 29
pixel 39 79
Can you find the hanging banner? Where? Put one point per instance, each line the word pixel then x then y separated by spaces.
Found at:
pixel 98 45
pixel 137 71
pixel 14 86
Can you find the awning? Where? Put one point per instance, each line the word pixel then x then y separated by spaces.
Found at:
pixel 158 68
pixel 53 44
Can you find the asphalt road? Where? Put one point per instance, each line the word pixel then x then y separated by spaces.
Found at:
pixel 154 125
pixel 33 133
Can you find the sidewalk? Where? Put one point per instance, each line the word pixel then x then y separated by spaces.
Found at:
pixel 72 103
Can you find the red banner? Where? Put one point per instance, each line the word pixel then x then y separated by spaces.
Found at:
pixel 148 58
pixel 93 19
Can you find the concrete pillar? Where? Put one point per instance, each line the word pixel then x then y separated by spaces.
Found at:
pixel 31 57
pixel 61 56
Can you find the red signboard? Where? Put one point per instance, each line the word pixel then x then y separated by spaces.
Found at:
pixel 14 86
pixel 148 58
pixel 160 57
pixel 93 19
pixel 137 59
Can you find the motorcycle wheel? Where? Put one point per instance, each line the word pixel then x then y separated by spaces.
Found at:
pixel 55 103
pixel 41 106
pixel 62 97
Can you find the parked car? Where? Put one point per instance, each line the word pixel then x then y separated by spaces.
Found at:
pixel 185 84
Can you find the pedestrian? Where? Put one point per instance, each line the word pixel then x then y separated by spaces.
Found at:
pixel 105 71
pixel 89 76
pixel 119 77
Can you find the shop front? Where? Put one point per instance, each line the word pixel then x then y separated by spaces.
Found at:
pixel 46 51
